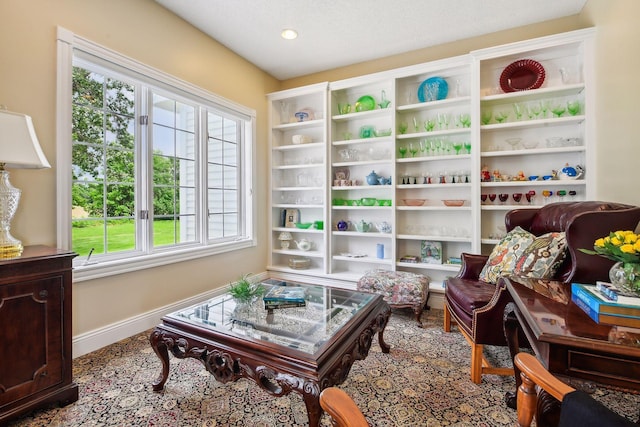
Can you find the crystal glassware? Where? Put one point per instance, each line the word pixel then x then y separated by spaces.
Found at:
pixel 518 109
pixel 384 102
pixel 492 197
pixel 501 116
pixel 413 149
pixel 573 107
pixel 483 198
pixel 517 197
pixel 534 109
pixel 503 197
pixel 457 145
pixel 467 146
pixel 429 124
pixel 402 128
pixel 485 116
pixel 513 142
pixel 402 150
pixel 558 109
pixel 530 196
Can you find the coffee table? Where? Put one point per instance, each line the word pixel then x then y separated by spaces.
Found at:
pixel 302 349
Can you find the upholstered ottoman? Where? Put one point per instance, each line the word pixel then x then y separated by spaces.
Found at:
pixel 400 289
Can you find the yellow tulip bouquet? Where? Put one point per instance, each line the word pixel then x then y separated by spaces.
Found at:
pixel 624 248
pixel 620 246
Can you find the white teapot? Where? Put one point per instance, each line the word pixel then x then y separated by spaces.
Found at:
pixel 571 172
pixel 303 244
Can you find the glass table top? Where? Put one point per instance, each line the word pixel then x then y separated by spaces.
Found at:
pixel 306 328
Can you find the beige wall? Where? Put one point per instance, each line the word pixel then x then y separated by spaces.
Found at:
pixel 617 88
pixel 617 95
pixel 143 30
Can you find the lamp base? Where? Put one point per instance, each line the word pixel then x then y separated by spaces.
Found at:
pixel 11 250
pixel 10 247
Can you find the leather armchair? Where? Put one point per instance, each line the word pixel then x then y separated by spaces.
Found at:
pixel 477 307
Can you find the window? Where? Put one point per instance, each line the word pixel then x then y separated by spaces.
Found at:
pixel 151 169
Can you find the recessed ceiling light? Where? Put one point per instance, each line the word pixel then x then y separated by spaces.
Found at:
pixel 289 34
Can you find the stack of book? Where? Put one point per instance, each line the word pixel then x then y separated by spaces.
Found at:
pixel 284 297
pixel 605 304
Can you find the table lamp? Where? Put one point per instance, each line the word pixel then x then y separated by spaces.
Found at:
pixel 19 148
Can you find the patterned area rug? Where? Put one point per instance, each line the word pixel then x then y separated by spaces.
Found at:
pixel 423 381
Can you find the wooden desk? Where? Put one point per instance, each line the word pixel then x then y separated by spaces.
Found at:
pixel 568 342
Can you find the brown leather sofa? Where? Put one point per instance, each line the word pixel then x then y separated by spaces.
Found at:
pixel 478 307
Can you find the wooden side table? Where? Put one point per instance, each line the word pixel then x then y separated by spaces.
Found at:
pixel 35 314
pixel 565 339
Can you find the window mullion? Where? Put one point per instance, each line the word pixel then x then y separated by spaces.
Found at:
pixel 144 171
pixel 203 181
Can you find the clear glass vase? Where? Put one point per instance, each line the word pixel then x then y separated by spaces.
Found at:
pixel 626 276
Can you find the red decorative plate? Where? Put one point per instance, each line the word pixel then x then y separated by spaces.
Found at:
pixel 524 74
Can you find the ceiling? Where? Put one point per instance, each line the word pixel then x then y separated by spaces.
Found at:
pixel 335 33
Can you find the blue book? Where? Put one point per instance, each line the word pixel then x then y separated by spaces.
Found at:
pixel 601 303
pixel 609 319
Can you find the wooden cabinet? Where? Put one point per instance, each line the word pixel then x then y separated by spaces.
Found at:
pixel 35 314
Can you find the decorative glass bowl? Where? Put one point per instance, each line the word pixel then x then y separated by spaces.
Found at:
pixel 414 202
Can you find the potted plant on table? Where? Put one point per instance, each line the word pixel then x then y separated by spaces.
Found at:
pixel 244 291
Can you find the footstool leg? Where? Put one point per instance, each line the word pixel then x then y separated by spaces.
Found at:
pixel 418 312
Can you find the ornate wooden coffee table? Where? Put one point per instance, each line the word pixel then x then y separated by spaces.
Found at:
pixel 301 349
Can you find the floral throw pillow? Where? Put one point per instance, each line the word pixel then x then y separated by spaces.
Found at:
pixel 542 257
pixel 504 255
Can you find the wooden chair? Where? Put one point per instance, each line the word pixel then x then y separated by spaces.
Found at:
pixel 577 407
pixel 341 408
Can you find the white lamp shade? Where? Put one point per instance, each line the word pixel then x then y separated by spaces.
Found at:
pixel 19 146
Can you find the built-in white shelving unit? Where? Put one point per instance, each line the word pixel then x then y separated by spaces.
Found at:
pixel 430 145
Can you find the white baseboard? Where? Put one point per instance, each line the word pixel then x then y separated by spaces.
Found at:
pixel 98 338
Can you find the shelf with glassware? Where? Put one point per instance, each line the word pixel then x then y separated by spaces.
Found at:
pixel 534 140
pixel 298 179
pixel 434 84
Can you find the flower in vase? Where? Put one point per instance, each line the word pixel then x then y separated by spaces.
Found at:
pixel 621 246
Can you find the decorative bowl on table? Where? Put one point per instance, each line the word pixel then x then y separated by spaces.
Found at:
pixel 414 202
pixel 304 225
pixel 453 202
pixel 368 201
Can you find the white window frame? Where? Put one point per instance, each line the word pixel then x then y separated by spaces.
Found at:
pixel 70 44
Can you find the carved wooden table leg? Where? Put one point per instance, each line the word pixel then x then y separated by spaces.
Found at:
pixel 314 410
pixel 511 326
pixel 383 319
pixel 160 348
